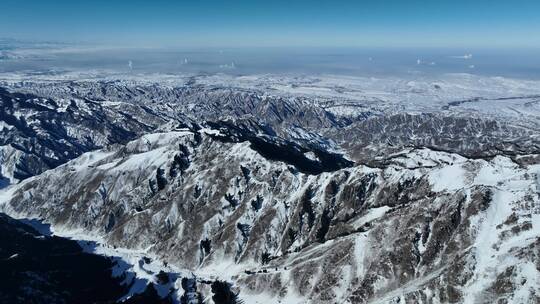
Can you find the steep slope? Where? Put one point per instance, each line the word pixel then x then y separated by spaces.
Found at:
pixel 39 268
pixel 425 226
pixel 464 114
pixel 376 137
pixel 38 133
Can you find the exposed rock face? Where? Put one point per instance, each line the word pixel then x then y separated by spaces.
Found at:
pixel 46 124
pixel 262 199
pixel 469 136
pixel 41 133
pixel 355 235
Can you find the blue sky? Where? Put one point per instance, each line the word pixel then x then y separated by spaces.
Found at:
pixel 383 23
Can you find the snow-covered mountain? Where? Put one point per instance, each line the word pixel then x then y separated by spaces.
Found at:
pixel 283 196
pixel 40 133
pixel 47 122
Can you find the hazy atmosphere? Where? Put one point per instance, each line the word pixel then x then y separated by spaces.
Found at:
pixel 367 38
pixel 269 152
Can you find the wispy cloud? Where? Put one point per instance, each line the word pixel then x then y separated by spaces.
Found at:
pixel 466 56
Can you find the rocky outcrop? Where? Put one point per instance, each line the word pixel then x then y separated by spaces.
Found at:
pixel 428 226
pixel 260 195
pixel 39 133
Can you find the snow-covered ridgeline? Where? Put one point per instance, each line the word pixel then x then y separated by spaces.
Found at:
pixel 341 95
pixel 440 212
